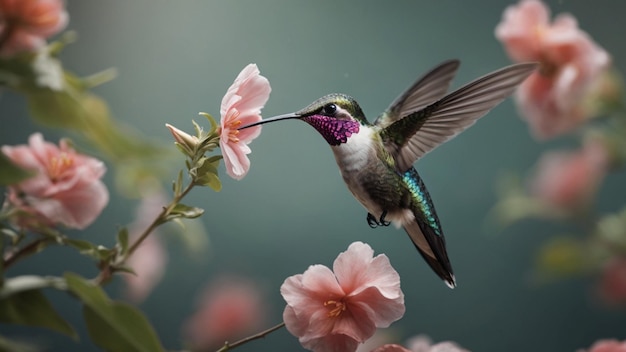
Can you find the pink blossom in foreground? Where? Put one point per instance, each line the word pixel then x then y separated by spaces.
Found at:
pixel 608 346
pixel 150 259
pixel 554 99
pixel 229 309
pixel 391 347
pixel 241 106
pixel 25 24
pixel 66 188
pixel 421 343
pixel 613 281
pixel 570 179
pixel 336 310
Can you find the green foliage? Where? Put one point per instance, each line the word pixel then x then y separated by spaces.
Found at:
pixel 112 325
pixel 13 346
pixel 184 211
pixel 122 241
pixel 57 98
pixel 205 172
pixel 22 302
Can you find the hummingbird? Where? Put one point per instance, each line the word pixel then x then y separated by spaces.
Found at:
pixel 376 159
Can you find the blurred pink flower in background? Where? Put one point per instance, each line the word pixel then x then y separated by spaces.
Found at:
pixel 66 188
pixel 242 105
pixel 229 309
pixel 608 346
pixel 570 179
pixel 335 311
pixel 554 99
pixel 612 287
pixel 422 343
pixel 150 259
pixel 25 24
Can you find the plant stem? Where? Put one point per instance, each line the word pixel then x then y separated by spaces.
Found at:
pixel 160 219
pixel 228 346
pixel 29 249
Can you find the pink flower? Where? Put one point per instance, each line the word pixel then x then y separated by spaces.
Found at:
pixel 66 188
pixel 25 24
pixel 229 309
pixel 241 106
pixel 421 343
pixel 391 347
pixel 553 100
pixel 336 311
pixel 570 179
pixel 613 282
pixel 608 346
pixel 150 259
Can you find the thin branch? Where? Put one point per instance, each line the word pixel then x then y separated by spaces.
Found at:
pixel 31 248
pixel 228 346
pixel 160 219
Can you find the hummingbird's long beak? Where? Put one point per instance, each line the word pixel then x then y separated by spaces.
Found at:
pixel 291 115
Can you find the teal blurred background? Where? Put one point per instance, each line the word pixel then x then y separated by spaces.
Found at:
pixel 176 58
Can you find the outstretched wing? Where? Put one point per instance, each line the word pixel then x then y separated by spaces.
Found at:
pixel 427 89
pixel 414 135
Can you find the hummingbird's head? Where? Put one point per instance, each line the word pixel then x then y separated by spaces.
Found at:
pixel 335 116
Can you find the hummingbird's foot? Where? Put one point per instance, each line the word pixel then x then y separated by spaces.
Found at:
pixel 374 223
pixel 371 220
pixel 382 221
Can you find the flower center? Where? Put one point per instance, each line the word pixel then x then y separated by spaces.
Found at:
pixel 233 132
pixel 58 165
pixel 336 307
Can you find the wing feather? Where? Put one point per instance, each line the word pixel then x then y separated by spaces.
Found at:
pixel 429 88
pixel 417 133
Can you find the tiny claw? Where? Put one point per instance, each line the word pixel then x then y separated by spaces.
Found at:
pixel 374 223
pixel 382 221
pixel 371 220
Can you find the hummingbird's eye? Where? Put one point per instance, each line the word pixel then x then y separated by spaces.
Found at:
pixel 330 109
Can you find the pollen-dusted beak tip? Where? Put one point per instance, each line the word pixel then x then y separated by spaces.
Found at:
pixel 288 116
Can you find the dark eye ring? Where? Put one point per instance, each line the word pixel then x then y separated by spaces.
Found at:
pixel 330 109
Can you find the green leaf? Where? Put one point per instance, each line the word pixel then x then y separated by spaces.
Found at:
pixel 112 325
pixel 13 236
pixel 210 180
pixel 206 173
pixel 32 308
pixel 22 283
pixel 84 247
pixel 211 121
pixel 177 186
pixel 122 240
pixel 104 253
pixel 11 173
pixel 14 346
pixel 197 128
pixel 185 211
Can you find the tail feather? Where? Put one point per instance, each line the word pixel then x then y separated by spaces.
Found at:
pixel 432 247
